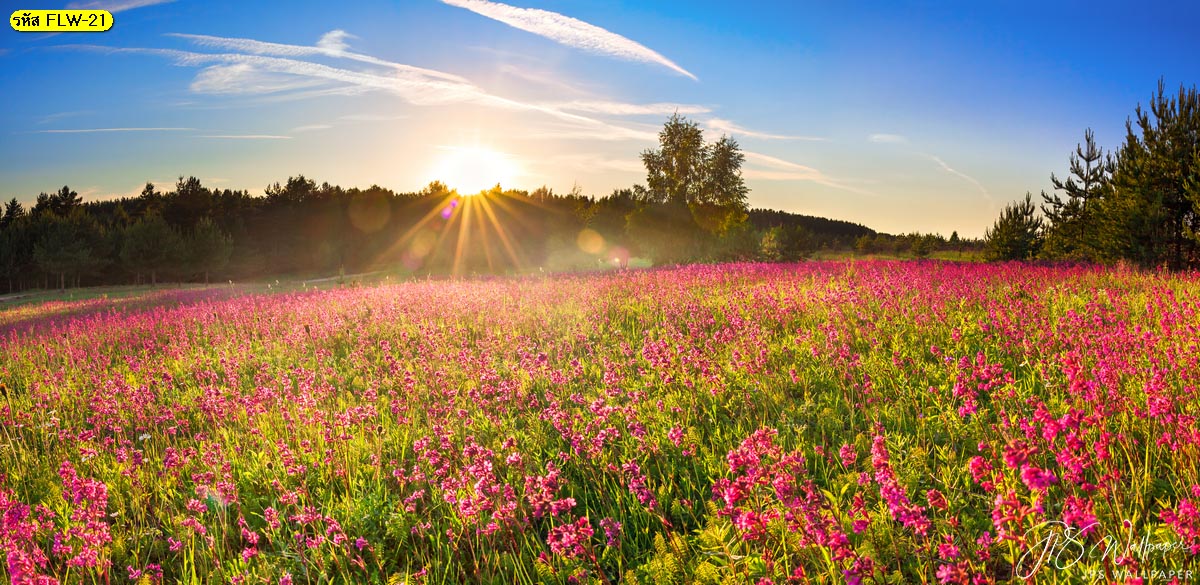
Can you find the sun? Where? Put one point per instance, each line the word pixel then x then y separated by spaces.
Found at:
pixel 474 169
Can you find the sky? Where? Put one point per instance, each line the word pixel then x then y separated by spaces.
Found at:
pixel 900 116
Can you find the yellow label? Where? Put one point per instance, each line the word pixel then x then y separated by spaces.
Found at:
pixel 61 20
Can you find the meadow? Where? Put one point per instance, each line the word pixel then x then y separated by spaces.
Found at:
pixel 823 422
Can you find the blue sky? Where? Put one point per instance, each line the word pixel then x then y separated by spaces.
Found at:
pixel 923 116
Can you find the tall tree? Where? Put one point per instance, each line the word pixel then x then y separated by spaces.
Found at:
pixel 191 201
pixel 1017 233
pixel 65 201
pixel 1073 222
pixel 1153 216
pixel 16 251
pixel 69 247
pixel 208 248
pixel 693 188
pixel 722 201
pixel 150 246
pixel 13 211
pixel 675 172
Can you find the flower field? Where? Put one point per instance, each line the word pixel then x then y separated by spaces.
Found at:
pixel 826 422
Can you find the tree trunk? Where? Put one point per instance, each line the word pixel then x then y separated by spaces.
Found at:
pixel 205 277
pixel 153 278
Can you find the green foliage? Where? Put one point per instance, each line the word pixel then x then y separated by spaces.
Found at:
pixel 208 248
pixel 152 246
pixel 687 173
pixel 1071 223
pixel 1017 233
pixel 69 246
pixel 1153 214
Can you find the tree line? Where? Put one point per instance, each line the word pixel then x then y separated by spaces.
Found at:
pixel 692 208
pixel 1139 204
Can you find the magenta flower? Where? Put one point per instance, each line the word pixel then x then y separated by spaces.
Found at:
pixel 1036 478
pixel 570 540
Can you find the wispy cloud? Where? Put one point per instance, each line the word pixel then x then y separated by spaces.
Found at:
pixel 777 169
pixel 968 178
pixel 92 130
pixel 887 139
pixel 569 31
pixel 372 117
pixel 728 127
pixel 593 163
pixel 257 68
pixel 331 44
pixel 244 78
pixel 311 127
pixel 551 81
pixel 623 109
pixel 247 137
pixel 114 6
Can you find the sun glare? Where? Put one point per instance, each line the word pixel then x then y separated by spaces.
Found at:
pixel 472 169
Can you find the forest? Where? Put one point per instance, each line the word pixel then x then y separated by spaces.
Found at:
pixel 692 209
pixel 1139 205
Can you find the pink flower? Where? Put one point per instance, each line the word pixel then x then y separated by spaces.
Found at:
pixel 570 540
pixel 849 455
pixel 1185 519
pixel 637 484
pixel 612 531
pixel 559 506
pixel 1077 512
pixel 936 499
pixel 1036 478
pixel 676 436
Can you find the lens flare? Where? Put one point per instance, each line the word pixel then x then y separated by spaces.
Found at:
pixel 474 169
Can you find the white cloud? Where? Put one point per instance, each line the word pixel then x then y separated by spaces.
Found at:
pixel 256 70
pixel 569 31
pixel 623 109
pixel 728 127
pixel 778 169
pixel 372 117
pixel 114 6
pixel 311 127
pixel 283 71
pixel 247 137
pixel 243 78
pixel 334 41
pixel 331 44
pixel 887 139
pixel 945 167
pixel 593 163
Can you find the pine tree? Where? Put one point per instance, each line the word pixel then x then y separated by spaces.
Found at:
pixel 1017 233
pixel 1073 223
pixel 150 245
pixel 13 211
pixel 1153 215
pixel 208 248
